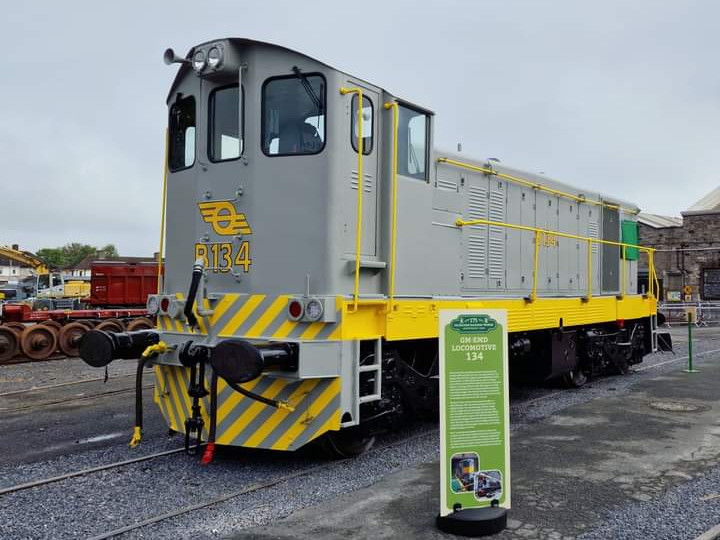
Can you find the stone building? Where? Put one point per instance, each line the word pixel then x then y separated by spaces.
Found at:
pixel 687 260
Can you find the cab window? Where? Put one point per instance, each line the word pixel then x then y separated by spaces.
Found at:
pixel 181 151
pixel 412 143
pixel 223 141
pixel 293 115
pixel 367 124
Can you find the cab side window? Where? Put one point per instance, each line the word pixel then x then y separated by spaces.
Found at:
pixel 412 143
pixel 181 151
pixel 367 124
pixel 223 139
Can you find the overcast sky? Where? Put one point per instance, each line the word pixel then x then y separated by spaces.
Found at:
pixel 617 96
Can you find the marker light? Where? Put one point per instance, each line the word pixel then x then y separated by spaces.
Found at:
pixel 214 57
pixel 199 61
pixel 314 309
pixel 152 305
pixel 295 310
pixel 164 304
pixel 176 308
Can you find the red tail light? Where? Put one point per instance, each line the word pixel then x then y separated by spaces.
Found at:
pixel 295 309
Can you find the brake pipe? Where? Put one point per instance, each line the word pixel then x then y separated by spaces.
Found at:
pixel 210 447
pixel 137 431
pixel 284 405
pixel 150 351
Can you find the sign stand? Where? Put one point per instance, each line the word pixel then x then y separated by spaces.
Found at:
pixel 474 422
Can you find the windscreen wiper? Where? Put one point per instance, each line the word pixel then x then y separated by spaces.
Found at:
pixel 308 88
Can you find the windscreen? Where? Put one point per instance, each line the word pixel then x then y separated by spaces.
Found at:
pixel 293 115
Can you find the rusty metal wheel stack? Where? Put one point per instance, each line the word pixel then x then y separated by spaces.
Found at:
pixel 39 342
pixel 21 342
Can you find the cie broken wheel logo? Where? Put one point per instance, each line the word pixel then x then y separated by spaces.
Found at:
pixel 225 220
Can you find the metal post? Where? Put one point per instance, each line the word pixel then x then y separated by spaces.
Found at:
pixel 690 322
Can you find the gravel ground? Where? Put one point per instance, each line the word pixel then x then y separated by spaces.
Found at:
pixel 681 513
pixel 100 502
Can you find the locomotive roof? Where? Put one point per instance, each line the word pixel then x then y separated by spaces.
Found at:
pixel 185 68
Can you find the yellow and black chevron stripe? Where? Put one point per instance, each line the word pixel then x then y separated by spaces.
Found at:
pixel 242 421
pixel 257 316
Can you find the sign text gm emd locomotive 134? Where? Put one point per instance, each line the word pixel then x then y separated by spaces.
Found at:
pixel 313 234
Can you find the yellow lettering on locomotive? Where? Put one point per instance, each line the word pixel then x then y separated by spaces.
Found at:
pixel 223 256
pixel 224 218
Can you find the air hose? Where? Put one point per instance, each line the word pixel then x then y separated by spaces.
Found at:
pixel 197 273
pixel 210 447
pixel 152 350
pixel 272 402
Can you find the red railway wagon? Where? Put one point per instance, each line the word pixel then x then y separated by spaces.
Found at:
pixel 122 284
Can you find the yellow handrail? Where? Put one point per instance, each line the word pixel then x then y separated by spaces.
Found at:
pixel 590 274
pixel 538 234
pixel 536 185
pixel 361 187
pixel 162 218
pixel 393 235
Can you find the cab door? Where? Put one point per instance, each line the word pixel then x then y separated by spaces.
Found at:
pixel 370 118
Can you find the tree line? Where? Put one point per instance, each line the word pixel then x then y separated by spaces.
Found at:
pixel 71 254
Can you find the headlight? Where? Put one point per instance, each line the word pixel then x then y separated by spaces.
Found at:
pixel 314 310
pixel 198 61
pixel 152 305
pixel 215 57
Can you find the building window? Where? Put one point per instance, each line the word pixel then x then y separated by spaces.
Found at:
pixel 412 143
pixel 181 153
pixel 223 120
pixel 711 284
pixel 293 115
pixel 367 124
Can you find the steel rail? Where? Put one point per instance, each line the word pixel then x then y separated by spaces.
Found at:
pixel 69 400
pixel 84 472
pixel 60 385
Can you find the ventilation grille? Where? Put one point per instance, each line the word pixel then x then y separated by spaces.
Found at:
pixel 477 203
pixel 593 233
pixel 476 256
pixel 446 185
pixel 368 185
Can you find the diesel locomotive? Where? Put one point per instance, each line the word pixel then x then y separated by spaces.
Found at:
pixel 313 234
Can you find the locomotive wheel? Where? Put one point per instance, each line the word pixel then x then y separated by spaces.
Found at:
pixel 39 342
pixel 54 324
pixel 15 326
pixel 9 343
pixel 346 443
pixel 111 325
pixel 70 336
pixel 143 323
pixel 575 379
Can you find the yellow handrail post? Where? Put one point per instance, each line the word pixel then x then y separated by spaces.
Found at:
pixel 533 294
pixel 623 262
pixel 361 187
pixel 162 215
pixel 590 272
pixel 393 238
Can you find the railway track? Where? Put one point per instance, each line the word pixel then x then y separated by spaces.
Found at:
pixel 253 487
pixel 70 400
pixel 61 385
